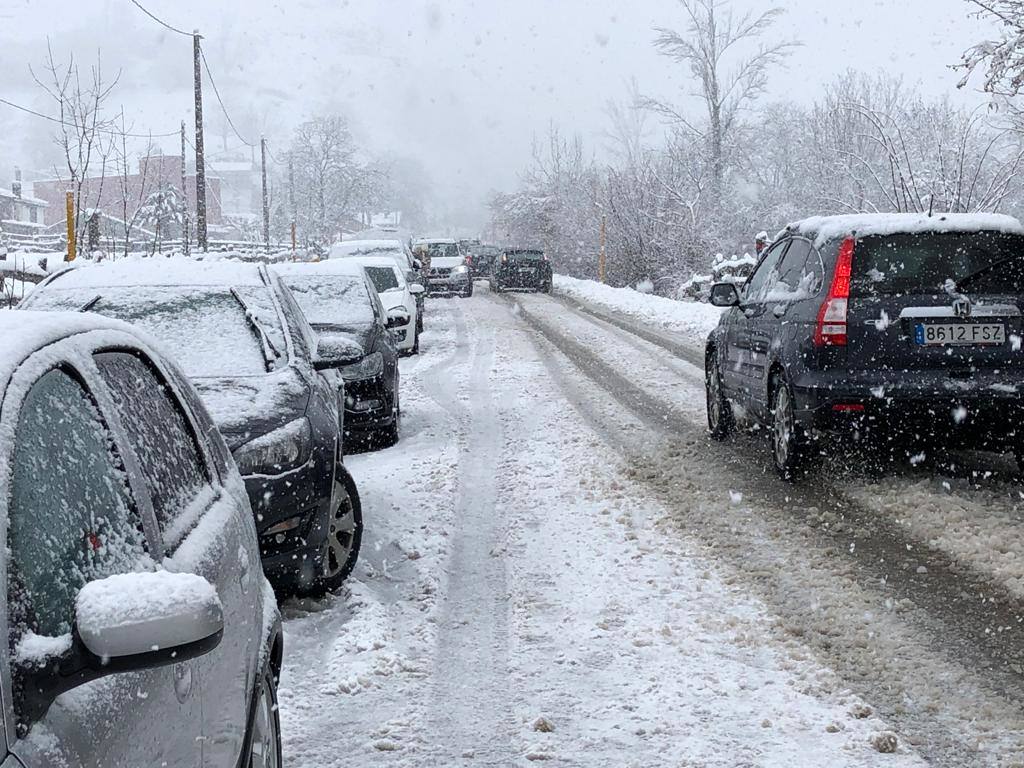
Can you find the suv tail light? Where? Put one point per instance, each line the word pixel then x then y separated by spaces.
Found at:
pixel 831 328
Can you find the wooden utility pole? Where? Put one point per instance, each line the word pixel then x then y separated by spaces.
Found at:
pixel 600 255
pixel 69 207
pixel 266 199
pixel 197 53
pixel 184 193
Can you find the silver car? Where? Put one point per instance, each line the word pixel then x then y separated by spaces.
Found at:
pixel 141 630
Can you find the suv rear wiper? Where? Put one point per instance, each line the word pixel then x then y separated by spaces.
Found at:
pixel 985 270
pixel 270 353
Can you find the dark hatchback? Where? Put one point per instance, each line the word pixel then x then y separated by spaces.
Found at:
pixel 481 259
pixel 343 308
pixel 517 269
pixel 243 342
pixel 902 329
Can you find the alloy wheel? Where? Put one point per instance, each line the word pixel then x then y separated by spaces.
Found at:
pixel 265 751
pixel 783 427
pixel 340 532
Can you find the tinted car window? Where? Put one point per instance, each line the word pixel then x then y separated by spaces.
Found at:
pixel 527 256
pixel 922 263
pixel 796 280
pixel 766 273
pixel 384 278
pixel 72 516
pixel 161 438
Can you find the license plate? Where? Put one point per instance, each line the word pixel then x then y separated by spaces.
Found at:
pixel 939 334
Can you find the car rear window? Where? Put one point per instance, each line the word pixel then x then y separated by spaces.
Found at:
pixel 922 263
pixel 383 278
pixel 527 256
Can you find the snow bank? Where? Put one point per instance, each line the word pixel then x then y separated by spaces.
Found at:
pixel 826 228
pixel 691 319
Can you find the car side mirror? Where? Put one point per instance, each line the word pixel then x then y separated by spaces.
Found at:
pixel 336 351
pixel 123 623
pixel 417 264
pixel 397 317
pixel 416 288
pixel 724 295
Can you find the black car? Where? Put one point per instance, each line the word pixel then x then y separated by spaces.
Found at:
pixel 481 259
pixel 521 269
pixel 893 328
pixel 343 308
pixel 239 336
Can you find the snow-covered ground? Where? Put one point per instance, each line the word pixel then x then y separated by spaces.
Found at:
pixel 692 319
pixel 524 597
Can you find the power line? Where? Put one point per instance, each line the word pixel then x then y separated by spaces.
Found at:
pixel 158 20
pixel 108 131
pixel 220 101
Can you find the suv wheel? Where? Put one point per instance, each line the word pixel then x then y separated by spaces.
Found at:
pixel 469 290
pixel 789 450
pixel 265 734
pixel 344 535
pixel 720 422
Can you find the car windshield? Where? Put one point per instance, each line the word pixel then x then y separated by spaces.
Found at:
pixel 194 323
pixel 384 278
pixel 336 301
pixel 922 263
pixel 443 250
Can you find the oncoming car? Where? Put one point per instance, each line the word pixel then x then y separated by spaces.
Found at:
pixel 447 269
pixel 239 336
pixel 130 555
pixel 898 328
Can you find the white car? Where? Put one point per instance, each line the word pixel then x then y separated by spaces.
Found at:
pixel 448 272
pixel 396 250
pixel 395 291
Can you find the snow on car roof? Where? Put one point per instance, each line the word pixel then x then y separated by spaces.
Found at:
pixel 826 228
pixel 435 241
pixel 22 333
pixel 350 247
pixel 374 261
pixel 353 267
pixel 178 270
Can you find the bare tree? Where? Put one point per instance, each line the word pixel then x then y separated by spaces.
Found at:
pixel 131 193
pixel 728 83
pixel 1002 58
pixel 82 126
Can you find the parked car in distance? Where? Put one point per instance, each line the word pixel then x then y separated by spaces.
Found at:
pixel 411 267
pixel 238 334
pixel 447 269
pixel 891 327
pixel 130 554
pixel 396 293
pixel 481 259
pixel 342 305
pixel 521 269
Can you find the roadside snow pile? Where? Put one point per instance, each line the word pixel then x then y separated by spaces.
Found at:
pixel 691 319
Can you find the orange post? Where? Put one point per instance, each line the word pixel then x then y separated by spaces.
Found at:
pixel 70 207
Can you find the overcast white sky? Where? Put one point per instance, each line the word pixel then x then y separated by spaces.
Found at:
pixel 461 85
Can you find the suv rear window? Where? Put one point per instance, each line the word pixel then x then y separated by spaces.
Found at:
pixel 922 263
pixel 526 255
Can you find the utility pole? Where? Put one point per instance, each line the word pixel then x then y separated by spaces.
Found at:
pixel 600 256
pixel 69 207
pixel 266 200
pixel 201 241
pixel 184 193
pixel 291 198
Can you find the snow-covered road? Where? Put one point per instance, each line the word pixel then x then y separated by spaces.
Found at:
pixel 559 566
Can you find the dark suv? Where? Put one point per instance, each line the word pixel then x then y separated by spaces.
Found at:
pixel 239 336
pixel 898 327
pixel 521 269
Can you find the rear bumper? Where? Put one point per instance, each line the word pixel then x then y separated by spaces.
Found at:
pixel 535 281
pixel 981 409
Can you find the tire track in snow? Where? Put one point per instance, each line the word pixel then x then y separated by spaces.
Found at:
pixel 471 715
pixel 961 614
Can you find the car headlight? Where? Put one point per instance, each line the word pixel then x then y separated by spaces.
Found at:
pixel 367 368
pixel 460 270
pixel 285 448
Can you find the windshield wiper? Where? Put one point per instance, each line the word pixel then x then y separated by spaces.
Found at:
pixel 270 353
pixel 90 303
pixel 985 270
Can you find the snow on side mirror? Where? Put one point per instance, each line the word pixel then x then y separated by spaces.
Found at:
pixel 724 295
pixel 397 317
pixel 336 351
pixel 416 289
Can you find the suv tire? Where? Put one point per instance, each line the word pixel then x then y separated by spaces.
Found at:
pixel 263 747
pixel 344 535
pixel 790 452
pixel 720 421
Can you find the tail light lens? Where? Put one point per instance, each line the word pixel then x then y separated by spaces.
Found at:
pixel 831 328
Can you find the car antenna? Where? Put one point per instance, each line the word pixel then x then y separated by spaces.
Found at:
pixel 931 202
